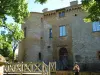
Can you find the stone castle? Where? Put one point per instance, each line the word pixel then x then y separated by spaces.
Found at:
pixel 61 35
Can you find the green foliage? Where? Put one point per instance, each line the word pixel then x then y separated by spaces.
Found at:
pixel 41 1
pixel 93 8
pixel 9 41
pixel 5 47
pixel 10 55
pixel 15 8
pixel 18 10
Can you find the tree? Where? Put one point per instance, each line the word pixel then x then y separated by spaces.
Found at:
pixel 41 1
pixel 15 8
pixel 15 35
pixel 5 47
pixel 93 8
pixel 10 40
pixel 18 10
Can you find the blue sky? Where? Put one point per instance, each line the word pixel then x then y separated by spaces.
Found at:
pixel 50 4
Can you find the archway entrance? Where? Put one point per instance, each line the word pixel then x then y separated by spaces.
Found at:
pixel 63 59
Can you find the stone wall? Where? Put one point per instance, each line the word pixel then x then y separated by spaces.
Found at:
pixel 57 41
pixel 46 42
pixel 30 46
pixel 81 42
pixel 85 44
pixel 36 40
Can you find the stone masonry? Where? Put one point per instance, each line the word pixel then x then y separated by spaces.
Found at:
pixel 81 43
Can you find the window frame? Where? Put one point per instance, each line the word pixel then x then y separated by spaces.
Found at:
pixel 62 31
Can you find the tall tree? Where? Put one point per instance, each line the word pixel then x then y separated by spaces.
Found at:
pixel 93 9
pixel 17 9
pixel 9 41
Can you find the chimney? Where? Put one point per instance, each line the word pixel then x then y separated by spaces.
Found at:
pixel 72 3
pixel 45 9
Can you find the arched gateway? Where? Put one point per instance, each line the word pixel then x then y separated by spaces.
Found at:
pixel 63 59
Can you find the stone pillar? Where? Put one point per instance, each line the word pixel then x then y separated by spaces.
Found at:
pixel 2 62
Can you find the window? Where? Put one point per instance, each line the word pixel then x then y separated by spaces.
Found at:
pixel 50 33
pixel 39 55
pixel 48 46
pixel 61 14
pixel 99 55
pixel 96 26
pixel 62 30
pixel 78 58
pixel 25 32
